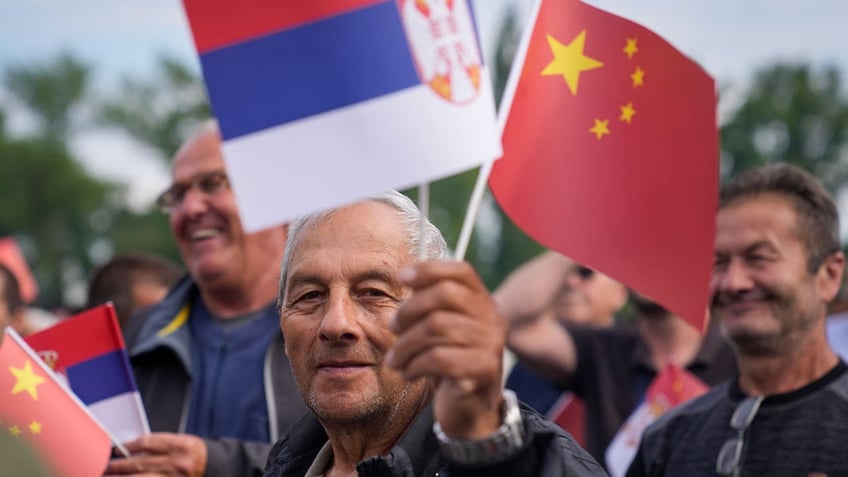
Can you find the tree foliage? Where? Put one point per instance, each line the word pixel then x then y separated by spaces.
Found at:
pixel 161 111
pixel 793 113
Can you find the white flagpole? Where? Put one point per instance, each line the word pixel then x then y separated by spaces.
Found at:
pixel 503 114
pixel 424 208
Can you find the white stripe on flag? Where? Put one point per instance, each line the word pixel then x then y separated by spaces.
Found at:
pixel 395 141
pixel 122 415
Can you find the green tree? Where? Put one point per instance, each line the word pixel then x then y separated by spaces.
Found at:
pixel 792 113
pixel 51 90
pixel 49 201
pixel 160 111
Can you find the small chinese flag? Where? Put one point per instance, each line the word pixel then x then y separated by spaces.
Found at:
pixel 611 153
pixel 36 408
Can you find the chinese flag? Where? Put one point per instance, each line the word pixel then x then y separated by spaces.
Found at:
pixel 611 153
pixel 35 408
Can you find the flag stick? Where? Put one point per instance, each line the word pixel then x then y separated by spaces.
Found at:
pixel 424 208
pixel 471 212
pixel 503 113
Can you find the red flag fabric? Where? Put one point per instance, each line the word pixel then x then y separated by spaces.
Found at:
pixel 35 407
pixel 12 257
pixel 569 413
pixel 611 153
pixel 669 389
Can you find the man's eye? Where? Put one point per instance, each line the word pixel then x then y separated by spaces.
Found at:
pixel 375 293
pixel 307 297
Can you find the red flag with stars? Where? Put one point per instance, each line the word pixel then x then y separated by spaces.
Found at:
pixel 35 408
pixel 611 153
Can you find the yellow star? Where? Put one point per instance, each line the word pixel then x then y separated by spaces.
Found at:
pixel 600 128
pixel 35 427
pixel 14 431
pixel 569 60
pixel 638 77
pixel 631 48
pixel 627 112
pixel 27 380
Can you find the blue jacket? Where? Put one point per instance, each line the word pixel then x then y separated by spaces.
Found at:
pixel 161 358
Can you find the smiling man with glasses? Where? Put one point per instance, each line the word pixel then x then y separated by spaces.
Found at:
pixel 209 360
pixel 777 265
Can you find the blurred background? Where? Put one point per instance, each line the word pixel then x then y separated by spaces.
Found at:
pixel 96 95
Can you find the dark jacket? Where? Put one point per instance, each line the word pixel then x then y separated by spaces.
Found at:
pixel 161 361
pixel 548 452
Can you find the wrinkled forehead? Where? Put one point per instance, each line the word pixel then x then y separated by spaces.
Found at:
pixel 766 218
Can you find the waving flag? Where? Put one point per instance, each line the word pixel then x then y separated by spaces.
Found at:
pixel 88 350
pixel 672 387
pixel 322 102
pixel 36 408
pixel 611 153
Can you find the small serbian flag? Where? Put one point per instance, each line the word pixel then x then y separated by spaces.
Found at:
pixel 35 408
pixel 88 350
pixel 323 102
pixel 671 388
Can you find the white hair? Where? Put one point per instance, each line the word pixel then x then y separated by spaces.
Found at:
pixel 435 247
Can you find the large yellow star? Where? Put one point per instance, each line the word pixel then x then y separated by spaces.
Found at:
pixel 600 128
pixel 631 48
pixel 569 60
pixel 638 77
pixel 27 380
pixel 627 112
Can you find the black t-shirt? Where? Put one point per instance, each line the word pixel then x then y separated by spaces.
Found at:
pixel 613 372
pixel 800 433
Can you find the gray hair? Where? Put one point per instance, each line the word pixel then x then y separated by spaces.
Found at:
pixel 435 247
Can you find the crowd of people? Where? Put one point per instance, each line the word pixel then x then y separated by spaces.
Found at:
pixel 340 345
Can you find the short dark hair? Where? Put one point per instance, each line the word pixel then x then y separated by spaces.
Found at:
pixel 818 217
pixel 114 280
pixel 11 289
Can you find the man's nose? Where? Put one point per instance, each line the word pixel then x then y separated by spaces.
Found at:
pixel 735 277
pixel 340 318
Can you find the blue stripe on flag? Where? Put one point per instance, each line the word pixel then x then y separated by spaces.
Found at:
pixel 99 378
pixel 308 70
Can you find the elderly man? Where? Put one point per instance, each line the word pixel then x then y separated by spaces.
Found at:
pixel 209 358
pixel 400 362
pixel 777 265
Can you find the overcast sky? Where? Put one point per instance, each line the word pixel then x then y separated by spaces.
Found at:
pixel 730 38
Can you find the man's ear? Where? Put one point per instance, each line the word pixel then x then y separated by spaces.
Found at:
pixel 829 276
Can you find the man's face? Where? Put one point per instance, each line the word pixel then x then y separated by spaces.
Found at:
pixel 589 298
pixel 341 291
pixel 762 292
pixel 206 226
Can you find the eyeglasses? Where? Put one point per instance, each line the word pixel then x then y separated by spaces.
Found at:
pixel 584 273
pixel 209 184
pixel 730 456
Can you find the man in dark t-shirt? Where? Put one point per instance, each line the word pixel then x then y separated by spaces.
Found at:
pixel 609 368
pixel 777 265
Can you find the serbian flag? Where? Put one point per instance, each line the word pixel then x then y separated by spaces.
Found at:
pixel 88 350
pixel 672 387
pixel 322 102
pixel 36 408
pixel 611 153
